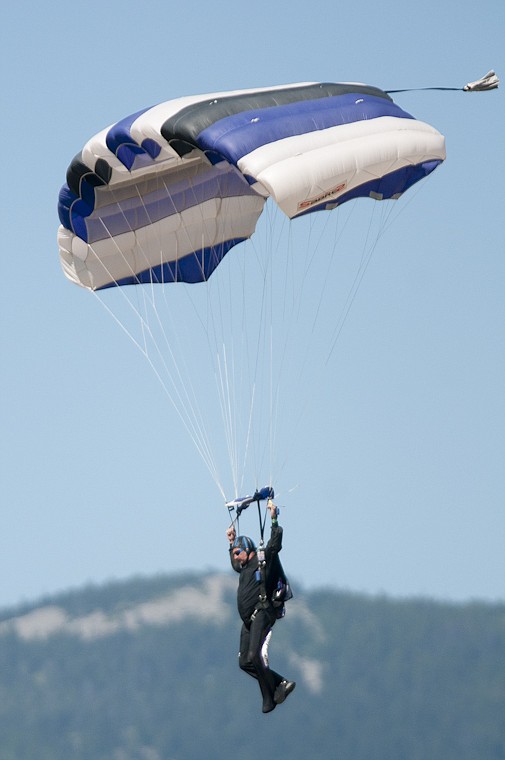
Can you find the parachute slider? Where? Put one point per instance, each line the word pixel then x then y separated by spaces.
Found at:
pixel 488 82
pixel 242 502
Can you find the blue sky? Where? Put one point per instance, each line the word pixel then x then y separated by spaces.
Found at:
pixel 395 480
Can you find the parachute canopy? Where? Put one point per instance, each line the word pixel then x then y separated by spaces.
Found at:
pixel 162 195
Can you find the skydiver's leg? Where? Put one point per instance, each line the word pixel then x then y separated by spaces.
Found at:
pixel 264 657
pixel 243 662
pixel 246 664
pixel 251 657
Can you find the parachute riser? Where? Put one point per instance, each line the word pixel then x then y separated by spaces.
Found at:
pixel 261 522
pixel 235 521
pixel 238 506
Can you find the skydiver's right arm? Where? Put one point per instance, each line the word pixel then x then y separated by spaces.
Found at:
pixel 231 535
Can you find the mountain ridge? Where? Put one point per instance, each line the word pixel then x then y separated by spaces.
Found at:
pixel 146 669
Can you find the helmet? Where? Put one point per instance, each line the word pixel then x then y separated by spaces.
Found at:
pixel 245 543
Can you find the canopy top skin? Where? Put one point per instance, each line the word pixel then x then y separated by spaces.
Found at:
pixel 162 195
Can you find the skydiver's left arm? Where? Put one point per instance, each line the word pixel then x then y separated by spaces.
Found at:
pixel 275 543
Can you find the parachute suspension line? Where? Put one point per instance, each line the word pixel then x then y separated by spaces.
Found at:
pixel 195 406
pixel 366 257
pixel 274 330
pixel 229 372
pixel 121 325
pixel 185 419
pixel 318 242
pixel 182 385
pixel 273 409
pixel 314 247
pixel 296 273
pixel 226 384
pixel 205 329
pixel 239 367
pixel 227 367
pixel 307 373
pixel 353 291
pixel 279 310
pixel 314 250
pixel 143 324
pixel 244 381
pixel 180 398
pixel 225 381
pixel 242 385
pixel 339 232
pixel 195 423
pixel 187 397
pixel 257 354
pixel 249 432
pixel 397 208
pixel 292 304
pixel 265 351
pixel 288 305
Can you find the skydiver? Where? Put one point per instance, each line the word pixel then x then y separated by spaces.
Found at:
pixel 259 608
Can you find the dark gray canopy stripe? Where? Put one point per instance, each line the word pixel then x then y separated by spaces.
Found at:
pixel 182 129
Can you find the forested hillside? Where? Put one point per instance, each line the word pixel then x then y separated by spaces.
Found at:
pixel 146 670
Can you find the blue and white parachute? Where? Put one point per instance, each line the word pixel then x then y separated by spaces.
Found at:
pixel 164 194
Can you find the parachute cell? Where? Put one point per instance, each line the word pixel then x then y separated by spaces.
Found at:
pixel 164 194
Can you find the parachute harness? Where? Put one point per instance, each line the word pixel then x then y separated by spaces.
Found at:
pixel 239 505
pixel 260 577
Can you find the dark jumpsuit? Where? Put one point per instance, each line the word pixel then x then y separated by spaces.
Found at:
pixel 258 619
